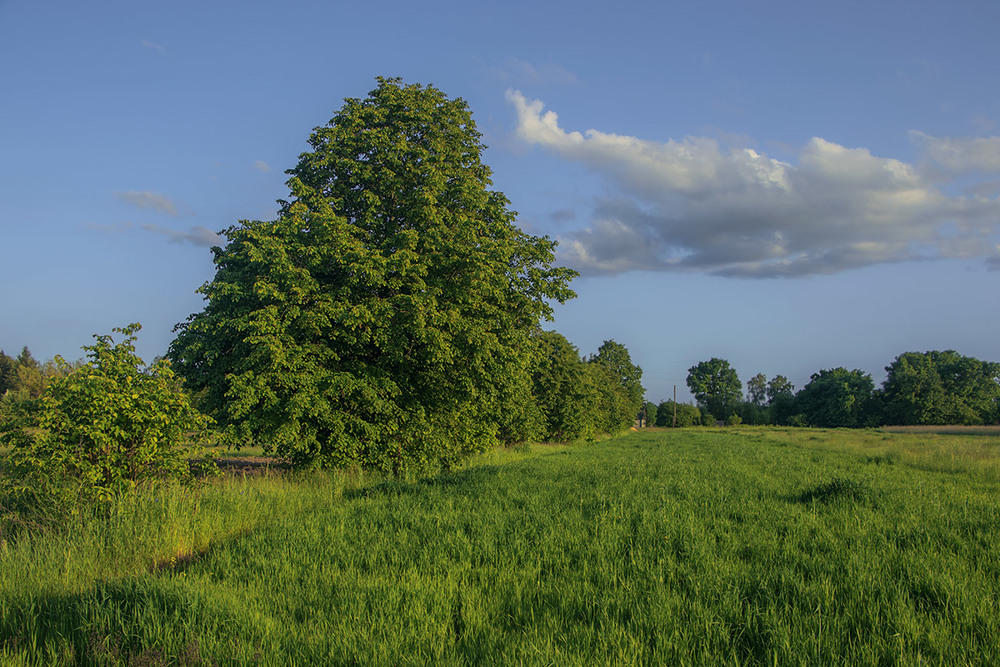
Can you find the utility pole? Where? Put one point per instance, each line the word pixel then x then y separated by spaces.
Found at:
pixel 675 406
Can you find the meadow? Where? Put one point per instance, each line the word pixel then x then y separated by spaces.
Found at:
pixel 696 546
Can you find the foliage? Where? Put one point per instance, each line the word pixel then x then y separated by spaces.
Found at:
pixel 615 357
pixel 781 409
pixel 562 389
pixel 649 413
pixel 941 388
pixel 385 318
pixel 757 389
pixel 715 385
pixel 8 373
pixel 613 410
pixel 687 414
pixel 102 429
pixel 838 397
pixel 734 420
pixel 753 413
pixel 778 387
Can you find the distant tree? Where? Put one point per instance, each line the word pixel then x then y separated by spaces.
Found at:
pixel 837 397
pixel 781 409
pixel 757 389
pixel 688 415
pixel 31 380
pixel 102 430
pixel 941 388
pixel 665 413
pixel 778 386
pixel 752 413
pixel 8 373
pixel 25 359
pixel 715 385
pixel 615 357
pixel 385 317
pixel 650 413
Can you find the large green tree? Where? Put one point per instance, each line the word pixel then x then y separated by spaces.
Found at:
pixel 716 386
pixel 941 388
pixel 385 317
pixel 838 397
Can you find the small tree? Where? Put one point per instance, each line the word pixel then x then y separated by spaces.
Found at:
pixel 777 387
pixel 103 429
pixel 757 389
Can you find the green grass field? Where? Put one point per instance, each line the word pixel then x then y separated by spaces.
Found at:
pixel 700 546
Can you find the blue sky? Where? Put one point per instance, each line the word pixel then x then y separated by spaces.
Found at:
pixel 791 186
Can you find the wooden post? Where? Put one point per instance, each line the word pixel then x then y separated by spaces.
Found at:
pixel 675 406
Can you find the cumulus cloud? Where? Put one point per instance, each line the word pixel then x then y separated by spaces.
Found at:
pixel 959 155
pixel 260 165
pixel 148 200
pixel 199 236
pixel 694 205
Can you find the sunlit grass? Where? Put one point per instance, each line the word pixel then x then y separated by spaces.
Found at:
pixel 935 449
pixel 701 546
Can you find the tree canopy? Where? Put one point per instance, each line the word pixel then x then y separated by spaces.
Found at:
pixel 385 317
pixel 941 388
pixel 716 386
pixel 838 397
pixel 616 358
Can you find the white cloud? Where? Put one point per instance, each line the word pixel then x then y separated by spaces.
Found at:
pixel 959 155
pixel 199 236
pixel 148 200
pixel 692 205
pixel 260 165
pixel 520 72
pixel 153 45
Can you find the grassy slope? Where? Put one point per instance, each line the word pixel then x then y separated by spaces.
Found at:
pixel 692 547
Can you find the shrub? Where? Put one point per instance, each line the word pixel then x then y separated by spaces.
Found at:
pixel 102 430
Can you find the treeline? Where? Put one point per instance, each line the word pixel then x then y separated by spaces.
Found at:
pixel 921 388
pixel 23 378
pixel 578 398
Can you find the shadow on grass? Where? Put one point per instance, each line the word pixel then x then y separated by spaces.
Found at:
pixel 115 624
pixel 840 491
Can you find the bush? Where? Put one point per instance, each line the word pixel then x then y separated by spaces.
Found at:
pixel 687 414
pixel 799 420
pixel 101 431
pixel 734 420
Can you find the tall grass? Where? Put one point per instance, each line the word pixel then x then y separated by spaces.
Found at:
pixel 682 547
